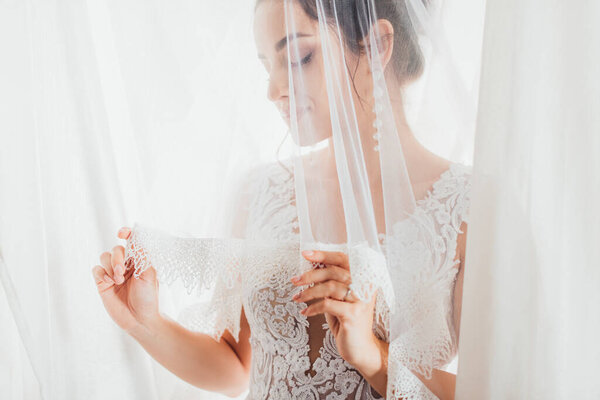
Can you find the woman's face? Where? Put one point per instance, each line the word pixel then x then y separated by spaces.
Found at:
pixel 303 42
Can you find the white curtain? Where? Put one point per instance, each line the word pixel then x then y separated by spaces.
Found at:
pixel 88 90
pixel 75 97
pixel 531 306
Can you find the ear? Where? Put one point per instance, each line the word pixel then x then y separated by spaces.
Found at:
pixel 384 37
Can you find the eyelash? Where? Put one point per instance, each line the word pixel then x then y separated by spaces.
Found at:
pixel 304 61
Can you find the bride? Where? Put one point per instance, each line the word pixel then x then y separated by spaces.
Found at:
pixel 314 335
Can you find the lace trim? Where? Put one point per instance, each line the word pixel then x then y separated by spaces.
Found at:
pixel 370 276
pixel 204 264
pixel 402 383
pixel 426 339
pixel 208 263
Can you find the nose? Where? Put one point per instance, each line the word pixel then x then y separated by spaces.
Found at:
pixel 278 86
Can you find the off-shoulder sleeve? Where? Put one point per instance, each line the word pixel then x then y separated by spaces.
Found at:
pixel 209 266
pixel 427 343
pixel 403 362
pixel 427 339
pixel 402 383
pixel 202 264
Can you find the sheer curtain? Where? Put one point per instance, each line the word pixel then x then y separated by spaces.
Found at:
pixel 531 305
pixel 88 90
pixel 82 81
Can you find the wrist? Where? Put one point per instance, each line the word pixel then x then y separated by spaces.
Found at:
pixel 373 359
pixel 148 327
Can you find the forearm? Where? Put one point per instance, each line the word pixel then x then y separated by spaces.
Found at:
pixel 194 357
pixel 374 368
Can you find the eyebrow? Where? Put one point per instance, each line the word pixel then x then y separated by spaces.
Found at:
pixel 284 41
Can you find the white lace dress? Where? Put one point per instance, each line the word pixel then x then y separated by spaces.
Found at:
pixel 295 357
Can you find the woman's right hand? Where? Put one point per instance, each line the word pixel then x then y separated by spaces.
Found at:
pixel 130 302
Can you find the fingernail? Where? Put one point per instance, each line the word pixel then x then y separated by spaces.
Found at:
pixel 308 253
pixel 119 269
pixel 295 279
pixel 107 279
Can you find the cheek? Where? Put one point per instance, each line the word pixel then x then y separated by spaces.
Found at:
pixel 320 112
pixel 316 85
pixel 363 81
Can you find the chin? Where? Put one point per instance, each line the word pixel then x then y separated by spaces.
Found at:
pixel 312 141
pixel 307 124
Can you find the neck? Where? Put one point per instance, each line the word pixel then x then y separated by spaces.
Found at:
pixel 422 165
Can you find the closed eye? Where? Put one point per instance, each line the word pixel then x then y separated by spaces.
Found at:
pixel 304 60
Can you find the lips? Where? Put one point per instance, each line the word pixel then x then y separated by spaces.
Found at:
pixel 299 114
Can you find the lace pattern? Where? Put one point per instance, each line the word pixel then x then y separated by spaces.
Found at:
pixel 206 264
pixel 256 273
pixel 402 383
pixel 424 250
pixel 280 337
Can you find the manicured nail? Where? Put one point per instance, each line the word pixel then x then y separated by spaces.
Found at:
pixel 308 253
pixel 295 279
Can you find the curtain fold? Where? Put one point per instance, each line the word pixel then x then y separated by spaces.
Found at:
pixel 74 100
pixel 69 178
pixel 531 305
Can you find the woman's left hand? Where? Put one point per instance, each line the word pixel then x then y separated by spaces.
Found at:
pixel 350 320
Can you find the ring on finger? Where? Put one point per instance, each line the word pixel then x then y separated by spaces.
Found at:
pixel 347 293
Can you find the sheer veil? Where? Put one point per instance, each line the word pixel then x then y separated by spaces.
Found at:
pixel 376 108
pixel 231 135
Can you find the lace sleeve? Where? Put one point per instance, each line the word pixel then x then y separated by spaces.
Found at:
pixel 428 339
pixel 402 383
pixel 204 264
pixel 201 264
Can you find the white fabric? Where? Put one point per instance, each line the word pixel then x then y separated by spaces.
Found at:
pixel 531 311
pixel 256 273
pixel 118 111
pixel 71 119
pixel 92 91
pixel 356 165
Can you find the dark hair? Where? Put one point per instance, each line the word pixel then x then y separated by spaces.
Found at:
pixel 354 20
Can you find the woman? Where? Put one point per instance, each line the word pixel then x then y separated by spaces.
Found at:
pixel 325 341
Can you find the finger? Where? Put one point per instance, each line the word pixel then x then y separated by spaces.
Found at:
pixel 331 320
pixel 128 273
pixel 100 276
pixel 327 257
pixel 339 309
pixel 124 233
pixel 106 263
pixel 118 254
pixel 333 289
pixel 330 272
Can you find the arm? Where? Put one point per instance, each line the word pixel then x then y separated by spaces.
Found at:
pixel 442 383
pixel 374 369
pixel 133 304
pixel 197 358
pixel 351 322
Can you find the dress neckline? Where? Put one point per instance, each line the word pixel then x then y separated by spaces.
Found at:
pixel 452 170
